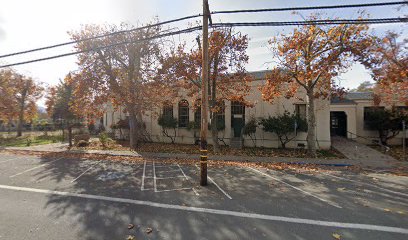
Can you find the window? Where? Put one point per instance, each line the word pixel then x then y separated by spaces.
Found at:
pixel 300 111
pixel 183 114
pixel 237 108
pixel 367 110
pixel 220 118
pixel 168 111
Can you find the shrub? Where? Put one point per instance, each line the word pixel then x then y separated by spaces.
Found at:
pixel 388 123
pixel 104 139
pixel 168 122
pixel 250 129
pixel 283 126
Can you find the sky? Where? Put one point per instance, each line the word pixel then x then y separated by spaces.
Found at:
pixel 26 24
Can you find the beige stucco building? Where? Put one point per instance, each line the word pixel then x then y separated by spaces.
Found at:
pixel 347 117
pixel 235 115
pixel 343 117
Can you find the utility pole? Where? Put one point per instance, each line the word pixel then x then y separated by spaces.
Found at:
pixel 204 98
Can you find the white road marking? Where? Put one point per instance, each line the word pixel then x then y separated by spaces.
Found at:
pixel 31 169
pixel 85 172
pixel 143 177
pixel 154 177
pixel 175 170
pixel 359 226
pixel 174 189
pixel 294 187
pixel 161 178
pixel 369 184
pixel 195 192
pixel 211 180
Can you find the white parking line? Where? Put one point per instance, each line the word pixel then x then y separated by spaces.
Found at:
pixel 294 187
pixel 31 169
pixel 85 171
pixel 173 189
pixel 195 192
pixel 154 178
pixel 161 178
pixel 143 177
pixel 360 226
pixel 368 184
pixel 211 180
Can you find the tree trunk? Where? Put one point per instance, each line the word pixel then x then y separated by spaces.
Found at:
pixel 70 135
pixel 311 122
pixel 20 123
pixel 134 141
pixel 214 133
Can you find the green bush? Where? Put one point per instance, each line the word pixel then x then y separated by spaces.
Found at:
pixel 283 126
pixel 388 123
pixel 166 123
pixel 104 139
pixel 250 129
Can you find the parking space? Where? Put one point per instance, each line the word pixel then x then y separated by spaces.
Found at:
pixel 319 198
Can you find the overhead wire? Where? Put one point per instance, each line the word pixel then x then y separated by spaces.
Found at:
pixel 310 8
pixel 99 36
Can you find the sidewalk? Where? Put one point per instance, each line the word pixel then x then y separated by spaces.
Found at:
pixel 358 155
pixel 365 155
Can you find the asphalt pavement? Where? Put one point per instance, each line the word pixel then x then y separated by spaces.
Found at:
pixel 60 198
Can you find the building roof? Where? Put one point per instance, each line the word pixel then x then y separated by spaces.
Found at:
pixel 259 75
pixel 351 96
pixel 359 95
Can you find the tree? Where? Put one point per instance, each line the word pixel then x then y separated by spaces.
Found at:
pixel 228 79
pixel 7 111
pixel 283 126
pixel 388 123
pixel 168 122
pixel 124 74
pixel 25 93
pixel 365 86
pixel 308 59
pixel 387 58
pixel 58 104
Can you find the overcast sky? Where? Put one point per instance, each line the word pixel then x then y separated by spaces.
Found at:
pixel 26 24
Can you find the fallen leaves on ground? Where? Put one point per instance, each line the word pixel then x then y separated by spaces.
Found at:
pixel 336 236
pixel 130 237
pixel 130 226
pixel 149 230
pixel 224 150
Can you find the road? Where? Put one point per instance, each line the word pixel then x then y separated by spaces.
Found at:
pixel 60 198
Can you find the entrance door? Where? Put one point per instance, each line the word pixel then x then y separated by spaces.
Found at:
pixel 237 124
pixel 338 124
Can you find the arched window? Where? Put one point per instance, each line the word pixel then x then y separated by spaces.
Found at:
pixel 183 114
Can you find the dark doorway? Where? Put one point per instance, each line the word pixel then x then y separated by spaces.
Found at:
pixel 338 124
pixel 237 117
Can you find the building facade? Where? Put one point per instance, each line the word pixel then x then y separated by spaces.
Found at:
pixel 234 116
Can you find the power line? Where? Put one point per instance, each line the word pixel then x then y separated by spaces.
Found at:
pixel 310 8
pixel 198 15
pixel 187 30
pixel 100 36
pixel 314 22
pixel 237 24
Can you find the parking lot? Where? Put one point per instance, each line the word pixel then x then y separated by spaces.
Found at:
pixel 70 198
